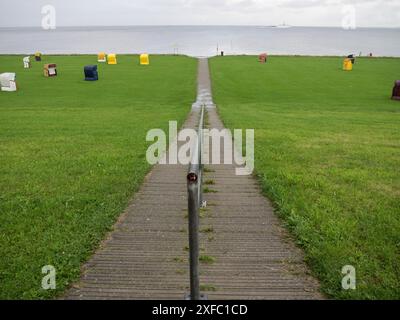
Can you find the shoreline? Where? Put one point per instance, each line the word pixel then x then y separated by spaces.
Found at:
pixel 179 26
pixel 199 56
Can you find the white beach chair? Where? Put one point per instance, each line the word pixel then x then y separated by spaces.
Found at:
pixel 7 82
pixel 27 62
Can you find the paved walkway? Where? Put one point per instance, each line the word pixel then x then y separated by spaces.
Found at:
pixel 246 253
pixel 145 256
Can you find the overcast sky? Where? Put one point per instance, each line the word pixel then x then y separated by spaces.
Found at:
pixel 369 13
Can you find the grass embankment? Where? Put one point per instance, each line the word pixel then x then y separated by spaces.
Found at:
pixel 72 154
pixel 328 154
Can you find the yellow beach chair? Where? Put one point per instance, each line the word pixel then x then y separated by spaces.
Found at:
pixel 101 57
pixel 38 56
pixel 144 60
pixel 112 58
pixel 347 65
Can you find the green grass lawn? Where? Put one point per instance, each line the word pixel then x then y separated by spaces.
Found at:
pixel 328 155
pixel 73 154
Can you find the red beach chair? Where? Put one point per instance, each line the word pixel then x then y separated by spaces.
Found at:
pixel 263 58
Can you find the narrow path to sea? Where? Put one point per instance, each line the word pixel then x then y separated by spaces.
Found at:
pixel 245 252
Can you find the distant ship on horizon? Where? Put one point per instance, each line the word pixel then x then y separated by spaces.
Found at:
pixel 283 26
pixel 280 26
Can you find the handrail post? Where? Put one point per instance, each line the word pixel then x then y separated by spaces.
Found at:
pixel 195 199
pixel 194 241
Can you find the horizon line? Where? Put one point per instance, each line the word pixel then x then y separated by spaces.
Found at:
pixel 198 25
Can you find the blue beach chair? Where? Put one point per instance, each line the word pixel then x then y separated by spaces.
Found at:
pixel 91 73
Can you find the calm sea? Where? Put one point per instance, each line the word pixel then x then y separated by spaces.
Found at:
pixel 202 40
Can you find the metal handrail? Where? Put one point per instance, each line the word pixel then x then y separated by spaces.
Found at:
pixel 195 202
